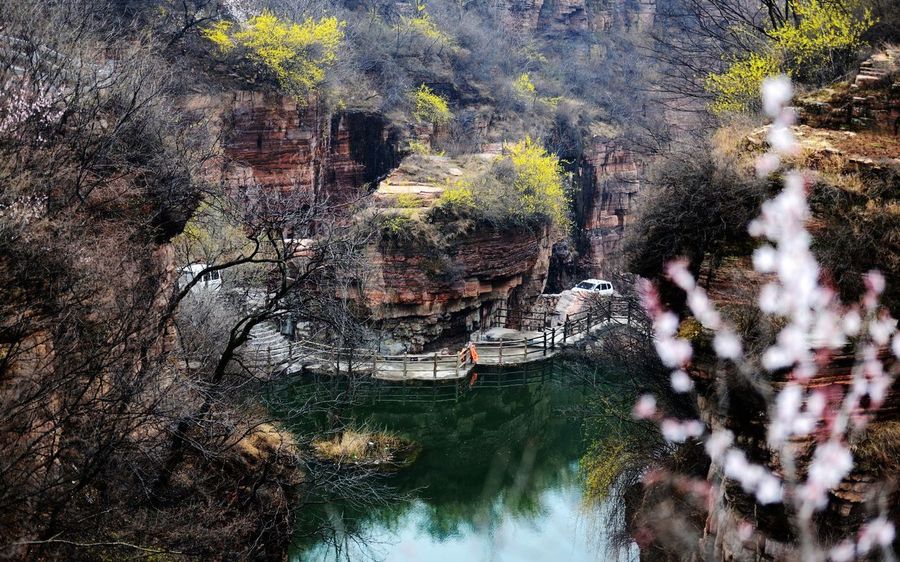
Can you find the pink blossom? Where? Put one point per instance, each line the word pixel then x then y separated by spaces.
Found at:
pixel 875 282
pixel 694 428
pixel 674 352
pixel 766 164
pixel 878 532
pixel 678 272
pixel 816 325
pixel 842 552
pixel 813 494
pixel 645 407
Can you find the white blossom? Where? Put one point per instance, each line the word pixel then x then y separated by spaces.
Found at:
pixel 781 138
pixel 831 463
pixel 681 382
pixel 666 324
pixel 718 443
pixel 776 93
pixel 764 259
pixel 882 329
pixel 727 345
pixel 674 352
pixel 769 490
pixel 672 430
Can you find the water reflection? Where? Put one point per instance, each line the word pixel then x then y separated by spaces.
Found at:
pixel 497 479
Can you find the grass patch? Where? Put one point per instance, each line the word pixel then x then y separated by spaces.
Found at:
pixel 367 448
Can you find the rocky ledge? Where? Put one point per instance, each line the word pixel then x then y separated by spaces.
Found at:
pixel 443 278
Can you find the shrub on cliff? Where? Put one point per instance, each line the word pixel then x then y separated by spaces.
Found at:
pixel 296 55
pixel 814 41
pixel 455 202
pixel 525 186
pixel 429 106
pixel 697 205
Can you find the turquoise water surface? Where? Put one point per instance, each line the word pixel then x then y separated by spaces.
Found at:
pixel 497 478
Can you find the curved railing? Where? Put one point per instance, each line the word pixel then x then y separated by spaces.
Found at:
pixel 441 365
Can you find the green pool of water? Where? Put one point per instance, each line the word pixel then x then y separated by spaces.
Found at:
pixel 497 478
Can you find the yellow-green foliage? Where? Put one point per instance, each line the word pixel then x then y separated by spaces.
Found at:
pixel 218 34
pixel 552 101
pixel 424 26
pixel 690 329
pixel 539 182
pixel 823 28
pixel 802 46
pixel 297 55
pixel 601 466
pixel 737 88
pixel 524 86
pixel 532 53
pixel 456 199
pixel 396 225
pixel 419 147
pixel 408 201
pixel 429 106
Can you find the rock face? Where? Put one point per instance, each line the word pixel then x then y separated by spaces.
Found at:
pixel 420 296
pixel 440 284
pixel 271 141
pixel 871 102
pixel 561 18
pixel 613 175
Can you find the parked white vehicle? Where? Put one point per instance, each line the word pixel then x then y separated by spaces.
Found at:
pixel 595 287
pixel 210 281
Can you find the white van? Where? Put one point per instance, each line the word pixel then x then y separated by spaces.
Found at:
pixel 595 287
pixel 210 281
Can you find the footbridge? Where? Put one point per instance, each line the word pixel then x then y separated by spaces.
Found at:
pixel 510 339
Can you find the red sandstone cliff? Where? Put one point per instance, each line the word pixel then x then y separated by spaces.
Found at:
pixel 557 18
pixel 614 179
pixel 422 291
pixel 272 141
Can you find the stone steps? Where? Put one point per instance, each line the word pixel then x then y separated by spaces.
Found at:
pixel 266 348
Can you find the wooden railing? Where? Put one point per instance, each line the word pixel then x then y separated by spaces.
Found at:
pixel 348 360
pixel 545 338
pixel 551 337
